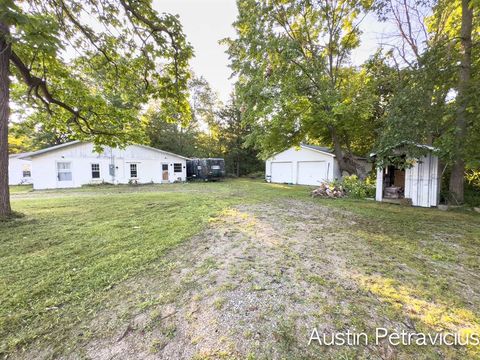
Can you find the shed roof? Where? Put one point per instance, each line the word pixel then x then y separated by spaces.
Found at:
pixel 421 146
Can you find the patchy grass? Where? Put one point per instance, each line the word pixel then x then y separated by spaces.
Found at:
pixel 82 255
pixel 18 189
pixel 72 246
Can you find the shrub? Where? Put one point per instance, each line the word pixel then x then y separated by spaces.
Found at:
pixel 356 188
pixel 472 195
pixel 256 175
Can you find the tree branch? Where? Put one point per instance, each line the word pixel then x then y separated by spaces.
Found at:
pixel 41 91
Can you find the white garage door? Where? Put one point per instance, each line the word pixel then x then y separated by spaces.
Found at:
pixel 312 172
pixel 282 172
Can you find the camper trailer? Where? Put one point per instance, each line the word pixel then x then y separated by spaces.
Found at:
pixel 206 169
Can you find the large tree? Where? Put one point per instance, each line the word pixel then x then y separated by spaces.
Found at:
pixel 240 159
pixel 435 100
pixel 86 67
pixel 295 81
pixel 194 133
pixel 465 105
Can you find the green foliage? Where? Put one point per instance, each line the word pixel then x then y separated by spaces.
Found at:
pixel 240 159
pixel 424 105
pixel 30 136
pixel 195 134
pixel 214 130
pixel 473 177
pixel 256 175
pixel 472 187
pixel 356 188
pixel 89 80
pixel 294 83
pixel 472 195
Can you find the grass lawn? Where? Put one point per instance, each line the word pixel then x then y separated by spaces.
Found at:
pixel 18 189
pixel 101 267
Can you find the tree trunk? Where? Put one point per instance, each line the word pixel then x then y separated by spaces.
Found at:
pixel 456 185
pixel 238 166
pixel 346 162
pixel 5 50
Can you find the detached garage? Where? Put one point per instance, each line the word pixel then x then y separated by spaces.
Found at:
pixel 304 165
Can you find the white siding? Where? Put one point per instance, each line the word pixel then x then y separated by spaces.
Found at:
pixel 422 182
pixel 303 170
pixel 15 171
pixel 379 187
pixel 82 156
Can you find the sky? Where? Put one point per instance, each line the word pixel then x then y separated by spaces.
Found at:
pixel 205 22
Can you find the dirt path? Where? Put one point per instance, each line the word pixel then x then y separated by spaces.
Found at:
pixel 253 285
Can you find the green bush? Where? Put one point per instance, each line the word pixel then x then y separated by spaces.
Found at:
pixel 256 175
pixel 472 187
pixel 356 188
pixel 472 195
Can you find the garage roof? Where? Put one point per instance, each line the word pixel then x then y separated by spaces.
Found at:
pixel 318 148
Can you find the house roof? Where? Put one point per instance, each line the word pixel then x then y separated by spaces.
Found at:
pixel 162 151
pixel 71 143
pixel 51 148
pixel 19 155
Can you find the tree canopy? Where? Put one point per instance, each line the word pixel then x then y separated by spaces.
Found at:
pixel 296 81
pixel 86 69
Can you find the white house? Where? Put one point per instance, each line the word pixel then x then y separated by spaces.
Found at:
pixel 76 163
pixel 305 165
pixel 420 182
pixel 19 169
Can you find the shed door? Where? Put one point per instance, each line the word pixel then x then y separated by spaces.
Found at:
pixel 282 172
pixel 312 172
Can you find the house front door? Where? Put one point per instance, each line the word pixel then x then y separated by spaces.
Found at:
pixel 165 172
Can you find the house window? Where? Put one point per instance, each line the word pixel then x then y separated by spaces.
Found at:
pixel 133 170
pixel 177 167
pixel 26 171
pixel 64 171
pixel 95 171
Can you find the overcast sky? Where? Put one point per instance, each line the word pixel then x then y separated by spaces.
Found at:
pixel 205 22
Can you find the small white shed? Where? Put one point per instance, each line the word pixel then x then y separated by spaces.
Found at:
pixel 420 182
pixel 19 169
pixel 305 165
pixel 76 163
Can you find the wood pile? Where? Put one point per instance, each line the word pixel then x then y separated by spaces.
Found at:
pixel 329 191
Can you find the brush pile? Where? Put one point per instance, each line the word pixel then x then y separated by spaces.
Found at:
pixel 327 190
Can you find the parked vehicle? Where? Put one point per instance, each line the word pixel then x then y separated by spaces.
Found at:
pixel 206 169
